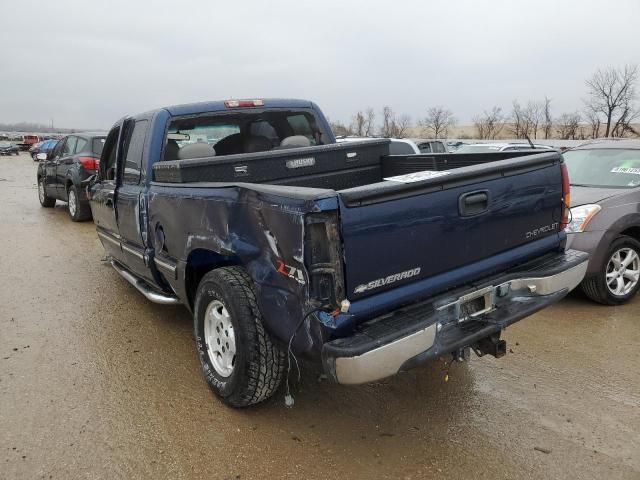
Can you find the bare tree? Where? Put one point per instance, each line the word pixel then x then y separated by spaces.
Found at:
pixel 567 126
pixel 340 129
pixel 401 126
pixel 547 126
pixel 370 122
pixel 387 122
pixel 594 122
pixel 517 125
pixel 489 124
pixel 533 114
pixel 394 126
pixel 358 123
pixel 437 122
pixel 612 94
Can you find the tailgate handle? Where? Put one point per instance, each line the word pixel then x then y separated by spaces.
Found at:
pixel 473 203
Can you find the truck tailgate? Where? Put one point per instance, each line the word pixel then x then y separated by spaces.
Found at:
pixel 404 230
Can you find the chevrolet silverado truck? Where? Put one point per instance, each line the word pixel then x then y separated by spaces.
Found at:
pixel 284 244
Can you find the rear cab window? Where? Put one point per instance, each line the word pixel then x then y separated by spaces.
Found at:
pixel 243 131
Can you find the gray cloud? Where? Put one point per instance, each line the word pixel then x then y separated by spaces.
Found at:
pixel 86 65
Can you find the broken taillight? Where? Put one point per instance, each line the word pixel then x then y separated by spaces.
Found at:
pixel 323 259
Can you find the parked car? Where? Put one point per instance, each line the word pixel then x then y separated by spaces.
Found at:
pixel 42 147
pixel 286 243
pixel 7 148
pixel 605 208
pixel 453 145
pixel 61 172
pixel 404 146
pixel 28 141
pixel 500 147
pixel 430 145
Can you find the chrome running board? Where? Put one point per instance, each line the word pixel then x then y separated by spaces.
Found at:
pixel 144 289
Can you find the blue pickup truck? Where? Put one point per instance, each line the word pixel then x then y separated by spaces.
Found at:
pixel 285 244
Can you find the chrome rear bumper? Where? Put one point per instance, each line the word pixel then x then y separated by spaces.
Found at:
pixel 379 352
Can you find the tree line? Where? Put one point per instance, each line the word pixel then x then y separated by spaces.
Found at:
pixel 610 109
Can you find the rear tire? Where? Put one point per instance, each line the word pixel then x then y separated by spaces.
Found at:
pixel 597 288
pixel 79 211
pixel 240 361
pixel 45 200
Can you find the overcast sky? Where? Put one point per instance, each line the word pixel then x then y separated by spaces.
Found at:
pixel 86 65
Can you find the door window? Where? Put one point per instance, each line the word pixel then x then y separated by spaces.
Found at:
pixel 108 158
pixel 424 147
pixel 438 147
pixel 80 145
pixel 69 146
pixel 133 148
pixel 57 151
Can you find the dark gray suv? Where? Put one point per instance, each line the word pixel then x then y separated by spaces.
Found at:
pixel 605 221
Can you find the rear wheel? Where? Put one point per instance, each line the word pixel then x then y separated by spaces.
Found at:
pixel 45 200
pixel 618 279
pixel 240 361
pixel 78 210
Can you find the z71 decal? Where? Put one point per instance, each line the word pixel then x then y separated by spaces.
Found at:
pixel 291 272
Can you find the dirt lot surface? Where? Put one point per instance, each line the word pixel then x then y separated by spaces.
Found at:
pixel 97 382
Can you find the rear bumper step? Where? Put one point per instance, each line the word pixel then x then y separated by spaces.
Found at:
pixel 150 293
pixel 461 318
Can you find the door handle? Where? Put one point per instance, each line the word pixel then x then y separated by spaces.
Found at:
pixel 473 203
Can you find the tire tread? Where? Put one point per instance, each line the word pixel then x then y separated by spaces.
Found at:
pixel 265 361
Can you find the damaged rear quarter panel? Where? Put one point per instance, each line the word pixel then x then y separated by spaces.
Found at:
pixel 258 231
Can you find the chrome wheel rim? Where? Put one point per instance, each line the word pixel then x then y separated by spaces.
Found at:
pixel 41 191
pixel 220 338
pixel 623 271
pixel 73 203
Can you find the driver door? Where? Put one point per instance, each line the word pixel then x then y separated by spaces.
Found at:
pixel 103 195
pixel 50 164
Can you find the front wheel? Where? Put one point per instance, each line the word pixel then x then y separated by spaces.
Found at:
pixel 240 361
pixel 618 279
pixel 45 200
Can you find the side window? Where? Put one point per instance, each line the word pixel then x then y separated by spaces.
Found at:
pixel 425 147
pixel 108 158
pixel 80 145
pixel 57 151
pixel 133 148
pixel 69 146
pixel 438 147
pixel 400 148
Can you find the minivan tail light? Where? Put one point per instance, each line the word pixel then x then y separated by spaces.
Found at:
pixel 566 196
pixel 89 163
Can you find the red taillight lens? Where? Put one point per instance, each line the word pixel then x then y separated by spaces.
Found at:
pixel 566 196
pixel 89 163
pixel 243 103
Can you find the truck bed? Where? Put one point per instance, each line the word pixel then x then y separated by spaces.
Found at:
pixel 346 167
